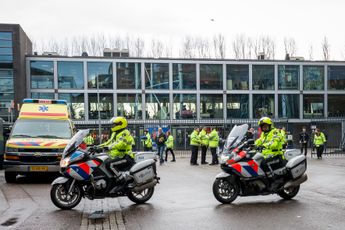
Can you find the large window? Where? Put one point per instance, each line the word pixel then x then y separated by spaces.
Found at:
pixel 129 106
pixel 263 77
pixel 5 103
pixel 103 105
pixel 336 77
pixel 288 105
pixel 184 76
pixel 42 74
pixel 128 75
pixel 157 75
pixel 313 106
pixel 184 106
pixel 288 77
pixel 336 105
pixel 157 106
pixel 76 102
pixel 6 50
pixel 237 77
pixel 263 105
pixel 70 75
pixel 237 105
pixel 42 95
pixel 211 76
pixel 211 106
pixel 6 81
pixel 313 77
pixel 101 73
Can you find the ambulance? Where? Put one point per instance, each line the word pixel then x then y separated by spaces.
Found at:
pixel 38 138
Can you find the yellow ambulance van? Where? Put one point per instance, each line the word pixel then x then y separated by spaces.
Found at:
pixel 38 138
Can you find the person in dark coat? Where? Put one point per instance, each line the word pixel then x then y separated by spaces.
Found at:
pixel 303 140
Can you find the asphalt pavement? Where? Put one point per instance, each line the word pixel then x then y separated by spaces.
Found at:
pixel 184 200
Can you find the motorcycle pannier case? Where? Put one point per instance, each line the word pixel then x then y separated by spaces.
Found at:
pixel 297 166
pixel 144 171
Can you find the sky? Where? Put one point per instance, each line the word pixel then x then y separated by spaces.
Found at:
pixel 307 21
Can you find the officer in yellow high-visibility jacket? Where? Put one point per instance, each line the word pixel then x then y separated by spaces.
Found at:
pixel 195 143
pixel 270 142
pixel 89 140
pixel 204 145
pixel 319 142
pixel 120 146
pixel 213 143
pixel 170 147
pixel 147 141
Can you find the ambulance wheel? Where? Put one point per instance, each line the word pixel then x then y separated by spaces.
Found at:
pixel 289 193
pixel 10 177
pixel 141 197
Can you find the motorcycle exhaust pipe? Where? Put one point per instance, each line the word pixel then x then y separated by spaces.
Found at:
pixel 145 186
pixel 296 182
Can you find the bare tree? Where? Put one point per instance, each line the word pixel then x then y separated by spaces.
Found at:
pixel 156 48
pixel 311 52
pixel 139 45
pixel 202 47
pixel 264 45
pixel 219 46
pixel 290 46
pixel 188 48
pixel 326 49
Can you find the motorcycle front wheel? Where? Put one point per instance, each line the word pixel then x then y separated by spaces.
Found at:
pixel 289 193
pixel 63 200
pixel 141 197
pixel 225 190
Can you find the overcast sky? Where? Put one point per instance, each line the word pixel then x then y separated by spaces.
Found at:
pixel 308 21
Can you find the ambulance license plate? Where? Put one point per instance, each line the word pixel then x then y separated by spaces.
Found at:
pixel 38 168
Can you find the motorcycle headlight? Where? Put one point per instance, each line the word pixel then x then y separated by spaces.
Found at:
pixel 65 162
pixel 224 158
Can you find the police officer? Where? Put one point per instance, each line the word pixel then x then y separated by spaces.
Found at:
pixel 319 142
pixel 89 140
pixel 120 147
pixel 271 143
pixel 213 143
pixel 204 145
pixel 195 143
pixel 147 141
pixel 170 145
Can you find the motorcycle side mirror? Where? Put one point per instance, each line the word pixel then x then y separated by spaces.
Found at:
pixel 250 141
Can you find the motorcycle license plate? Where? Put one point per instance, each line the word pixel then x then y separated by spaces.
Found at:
pixel 38 168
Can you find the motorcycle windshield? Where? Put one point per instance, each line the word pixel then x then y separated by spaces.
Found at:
pixel 236 136
pixel 75 141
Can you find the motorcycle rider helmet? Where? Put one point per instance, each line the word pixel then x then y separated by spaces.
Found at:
pixel 267 121
pixel 118 123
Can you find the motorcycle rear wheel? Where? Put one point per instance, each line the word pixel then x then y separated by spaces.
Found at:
pixel 290 193
pixel 225 190
pixel 65 201
pixel 141 197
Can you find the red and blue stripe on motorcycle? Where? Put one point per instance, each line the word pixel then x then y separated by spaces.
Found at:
pixel 247 169
pixel 83 170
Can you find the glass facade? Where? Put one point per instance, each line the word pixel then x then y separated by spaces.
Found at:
pixel 184 106
pixel 336 77
pixel 76 103
pixel 313 105
pixel 42 96
pixel 70 75
pixel 288 105
pixel 313 77
pixel 336 105
pixel 42 74
pixel 211 106
pixel 211 76
pixel 157 106
pixel 129 106
pixel 156 75
pixel 288 77
pixel 6 47
pixel 184 76
pixel 237 77
pixel 263 105
pixel 104 107
pixel 128 75
pixel 237 106
pixel 263 77
pixel 101 73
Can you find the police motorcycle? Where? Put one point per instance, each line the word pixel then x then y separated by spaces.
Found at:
pixel 244 175
pixel 85 174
